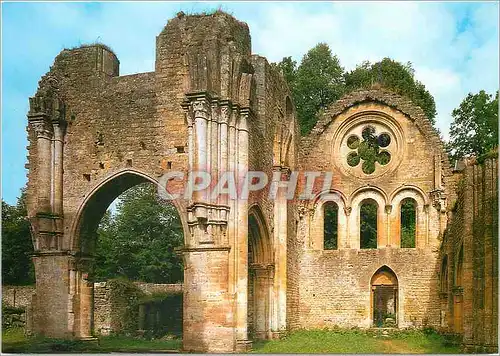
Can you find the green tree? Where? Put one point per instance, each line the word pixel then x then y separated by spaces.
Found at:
pixel 289 69
pixel 408 223
pixel 17 246
pixel 330 225
pixel 139 241
pixel 474 130
pixel 320 80
pixel 316 83
pixel 368 225
pixel 394 76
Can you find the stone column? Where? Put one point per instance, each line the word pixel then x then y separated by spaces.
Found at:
pixel 278 322
pixel 44 163
pixel 208 324
pixel 386 241
pixel 241 247
pixel 201 145
pixel 52 302
pixel 208 301
pixel 57 182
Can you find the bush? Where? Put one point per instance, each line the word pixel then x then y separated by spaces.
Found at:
pixel 13 317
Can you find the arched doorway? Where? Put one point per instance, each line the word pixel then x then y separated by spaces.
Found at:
pixel 140 243
pixel 384 298
pixel 260 277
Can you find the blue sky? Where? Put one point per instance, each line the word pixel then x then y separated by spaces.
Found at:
pixel 453 46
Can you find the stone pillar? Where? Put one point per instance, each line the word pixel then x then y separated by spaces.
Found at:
pixel 386 240
pixel 278 322
pixel 57 182
pixel 208 324
pixel 241 247
pixel 215 258
pixel 52 302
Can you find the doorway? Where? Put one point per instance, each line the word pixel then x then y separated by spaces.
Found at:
pixel 384 298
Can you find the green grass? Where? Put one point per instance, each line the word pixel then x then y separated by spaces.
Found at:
pixel 303 341
pixel 358 341
pixel 14 341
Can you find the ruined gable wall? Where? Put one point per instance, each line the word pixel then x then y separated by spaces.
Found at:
pixel 335 284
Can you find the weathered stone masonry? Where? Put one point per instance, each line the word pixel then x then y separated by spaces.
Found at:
pixel 469 259
pixel 253 268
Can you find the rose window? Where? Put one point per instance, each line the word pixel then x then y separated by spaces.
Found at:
pixel 368 149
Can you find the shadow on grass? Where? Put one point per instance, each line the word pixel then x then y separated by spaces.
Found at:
pixel 14 341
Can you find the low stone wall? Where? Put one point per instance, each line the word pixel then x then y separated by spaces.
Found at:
pixel 150 288
pixel 17 296
pixel 16 301
pixel 111 304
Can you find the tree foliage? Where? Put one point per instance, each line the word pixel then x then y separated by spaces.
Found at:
pixel 139 241
pixel 368 224
pixel 474 130
pixel 316 83
pixel 17 246
pixel 330 226
pixel 394 76
pixel 319 80
pixel 408 223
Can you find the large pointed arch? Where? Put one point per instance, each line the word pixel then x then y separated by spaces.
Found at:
pixel 99 198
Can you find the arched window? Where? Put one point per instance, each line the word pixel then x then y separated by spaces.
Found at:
pixel 408 222
pixel 444 275
pixel 330 214
pixel 368 223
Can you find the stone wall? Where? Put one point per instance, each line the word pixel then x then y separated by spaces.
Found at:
pixel 469 260
pixel 16 306
pixel 17 296
pixel 111 304
pixel 335 285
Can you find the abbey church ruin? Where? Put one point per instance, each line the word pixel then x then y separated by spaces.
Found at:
pixel 257 267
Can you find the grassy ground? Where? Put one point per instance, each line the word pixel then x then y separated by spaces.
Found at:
pixel 311 341
pixel 358 341
pixel 14 341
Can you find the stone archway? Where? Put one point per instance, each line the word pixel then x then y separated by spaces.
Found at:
pixel 384 298
pixel 83 241
pixel 260 277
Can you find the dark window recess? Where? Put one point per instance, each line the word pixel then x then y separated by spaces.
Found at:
pixel 368 224
pixel 180 149
pixel 408 223
pixel 86 176
pixel 101 165
pixel 129 163
pixel 330 215
pixel 169 165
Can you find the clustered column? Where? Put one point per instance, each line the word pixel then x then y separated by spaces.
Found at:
pixel 215 255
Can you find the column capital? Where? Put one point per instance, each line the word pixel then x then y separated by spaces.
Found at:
pixel 42 128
